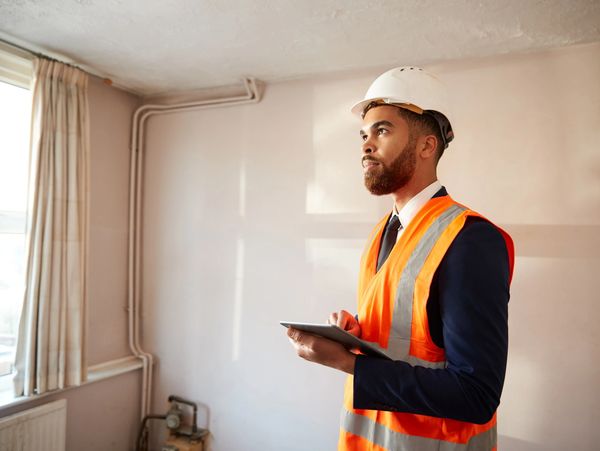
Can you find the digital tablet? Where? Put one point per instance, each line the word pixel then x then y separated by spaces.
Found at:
pixel 339 335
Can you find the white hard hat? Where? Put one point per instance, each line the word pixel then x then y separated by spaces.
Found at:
pixel 414 89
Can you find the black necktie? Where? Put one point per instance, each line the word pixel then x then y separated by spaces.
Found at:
pixel 388 240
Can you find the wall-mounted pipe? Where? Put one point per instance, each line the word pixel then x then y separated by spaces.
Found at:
pixel 135 212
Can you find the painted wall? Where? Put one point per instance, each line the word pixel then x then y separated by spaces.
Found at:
pixel 110 131
pixel 101 416
pixel 256 214
pixel 105 415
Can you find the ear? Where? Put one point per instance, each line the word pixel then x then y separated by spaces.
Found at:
pixel 427 146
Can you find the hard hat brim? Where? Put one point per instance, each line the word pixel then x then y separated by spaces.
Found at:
pixel 359 107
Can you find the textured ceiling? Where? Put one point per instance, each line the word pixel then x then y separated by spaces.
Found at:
pixel 158 46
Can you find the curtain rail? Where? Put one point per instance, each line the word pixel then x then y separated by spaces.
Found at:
pixel 40 52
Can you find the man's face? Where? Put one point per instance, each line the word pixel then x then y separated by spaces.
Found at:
pixel 389 158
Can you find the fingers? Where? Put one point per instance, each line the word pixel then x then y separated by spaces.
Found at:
pixel 333 319
pixel 294 334
pixel 321 350
pixel 302 342
pixel 346 321
pixel 339 319
pixel 342 319
pixel 299 338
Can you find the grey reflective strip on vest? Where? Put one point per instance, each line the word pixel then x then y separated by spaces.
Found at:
pixel 400 332
pixel 390 440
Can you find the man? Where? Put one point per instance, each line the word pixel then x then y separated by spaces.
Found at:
pixel 433 290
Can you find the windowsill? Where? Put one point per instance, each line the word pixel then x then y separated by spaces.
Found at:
pixel 95 373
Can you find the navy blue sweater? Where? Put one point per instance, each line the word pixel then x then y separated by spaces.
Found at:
pixel 468 315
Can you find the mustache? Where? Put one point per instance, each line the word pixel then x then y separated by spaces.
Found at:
pixel 369 158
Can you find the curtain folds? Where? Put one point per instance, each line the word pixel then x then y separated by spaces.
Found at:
pixel 50 347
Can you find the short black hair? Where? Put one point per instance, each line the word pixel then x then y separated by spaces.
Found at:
pixel 423 124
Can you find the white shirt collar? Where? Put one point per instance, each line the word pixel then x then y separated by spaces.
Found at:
pixel 412 207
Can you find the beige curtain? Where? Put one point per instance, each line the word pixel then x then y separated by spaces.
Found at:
pixel 50 347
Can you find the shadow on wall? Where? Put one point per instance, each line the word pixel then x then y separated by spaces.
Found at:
pixel 553 315
pixel 556 240
pixel 506 443
pixel 515 444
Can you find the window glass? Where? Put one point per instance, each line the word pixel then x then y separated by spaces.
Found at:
pixel 15 117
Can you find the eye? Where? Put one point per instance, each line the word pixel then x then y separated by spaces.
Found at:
pixel 381 131
pixel 363 137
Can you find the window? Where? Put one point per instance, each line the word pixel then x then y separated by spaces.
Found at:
pixel 15 117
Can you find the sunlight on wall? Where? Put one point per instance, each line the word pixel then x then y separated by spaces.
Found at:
pixel 238 299
pixel 336 185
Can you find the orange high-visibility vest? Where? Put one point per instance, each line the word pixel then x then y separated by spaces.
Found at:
pixel 392 312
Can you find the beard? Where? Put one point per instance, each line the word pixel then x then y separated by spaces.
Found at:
pixel 385 179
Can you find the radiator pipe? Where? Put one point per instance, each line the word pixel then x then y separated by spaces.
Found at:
pixel 135 212
pixel 138 444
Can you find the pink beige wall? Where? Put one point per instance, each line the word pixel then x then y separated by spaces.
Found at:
pixel 104 415
pixel 111 111
pixel 256 214
pixel 101 416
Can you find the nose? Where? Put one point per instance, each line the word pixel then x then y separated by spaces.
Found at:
pixel 367 146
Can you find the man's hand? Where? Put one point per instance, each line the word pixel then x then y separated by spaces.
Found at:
pixel 321 350
pixel 345 321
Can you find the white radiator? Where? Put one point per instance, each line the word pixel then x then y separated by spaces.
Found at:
pixel 42 428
